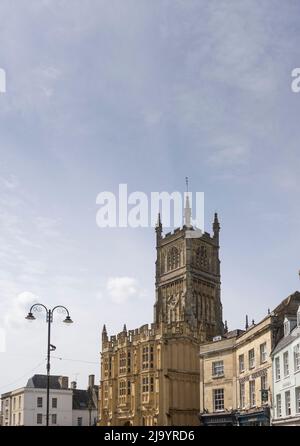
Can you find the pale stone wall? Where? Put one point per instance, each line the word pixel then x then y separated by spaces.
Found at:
pixel 209 353
pixel 254 337
pixel 229 351
pixel 172 395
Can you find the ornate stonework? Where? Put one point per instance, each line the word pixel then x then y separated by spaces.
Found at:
pixel 150 376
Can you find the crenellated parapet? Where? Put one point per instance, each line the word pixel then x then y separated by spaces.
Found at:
pixel 150 333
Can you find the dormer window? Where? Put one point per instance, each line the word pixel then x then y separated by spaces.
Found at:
pixel 290 322
pixel 286 327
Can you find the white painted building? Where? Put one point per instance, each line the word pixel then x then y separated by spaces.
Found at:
pixel 68 406
pixel 286 374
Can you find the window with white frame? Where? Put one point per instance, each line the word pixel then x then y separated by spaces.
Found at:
pixel 252 396
pixel 251 358
pixel 277 368
pixel 278 406
pixel 288 403
pixel 297 399
pixel 297 358
pixel 218 399
pixel 218 368
pixel 263 352
pixel 54 418
pixel 241 363
pixel 286 367
pixel 39 401
pixel 242 394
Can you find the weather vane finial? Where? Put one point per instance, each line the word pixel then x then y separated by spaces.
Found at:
pixel 187 183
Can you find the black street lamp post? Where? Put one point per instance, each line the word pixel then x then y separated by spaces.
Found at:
pixel 49 320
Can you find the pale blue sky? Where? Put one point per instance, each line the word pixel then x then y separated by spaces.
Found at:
pixel 144 93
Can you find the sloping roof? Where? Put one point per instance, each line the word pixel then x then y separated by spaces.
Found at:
pixel 82 399
pixel 234 333
pixel 291 303
pixel 286 340
pixel 40 382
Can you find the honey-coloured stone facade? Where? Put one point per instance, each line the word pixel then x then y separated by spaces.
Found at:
pixel 150 376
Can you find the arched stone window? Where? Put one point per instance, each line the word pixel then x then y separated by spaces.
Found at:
pixel 201 258
pixel 173 258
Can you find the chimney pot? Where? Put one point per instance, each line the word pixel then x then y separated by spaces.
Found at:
pixel 64 382
pixel 91 381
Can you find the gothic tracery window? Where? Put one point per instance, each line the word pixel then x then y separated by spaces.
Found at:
pixel 201 257
pixel 173 258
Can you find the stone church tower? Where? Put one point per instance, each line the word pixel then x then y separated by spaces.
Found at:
pixel 188 279
pixel 150 375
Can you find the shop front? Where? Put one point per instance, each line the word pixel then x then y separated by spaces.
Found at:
pixel 256 418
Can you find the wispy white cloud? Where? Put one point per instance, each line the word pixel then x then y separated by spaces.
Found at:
pixel 120 289
pixel 18 309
